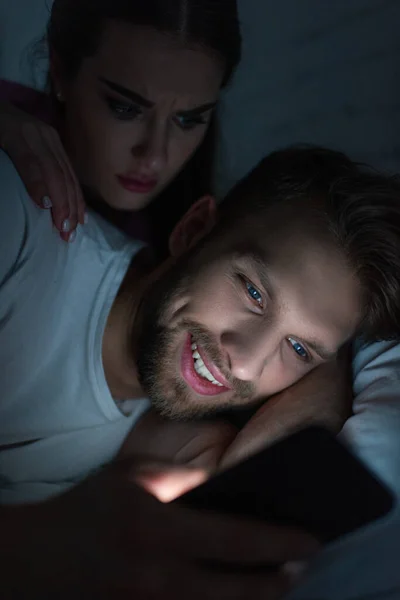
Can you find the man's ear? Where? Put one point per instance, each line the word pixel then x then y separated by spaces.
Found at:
pixel 195 224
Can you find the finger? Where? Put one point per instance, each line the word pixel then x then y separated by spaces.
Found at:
pixel 53 176
pixel 69 219
pixel 168 484
pixel 58 195
pixel 76 201
pixel 235 540
pixel 32 176
pixel 79 199
pixel 68 237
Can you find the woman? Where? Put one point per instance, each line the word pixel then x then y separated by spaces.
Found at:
pixel 133 90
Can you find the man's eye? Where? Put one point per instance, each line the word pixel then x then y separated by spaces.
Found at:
pixel 299 349
pixel 124 110
pixel 254 293
pixel 189 123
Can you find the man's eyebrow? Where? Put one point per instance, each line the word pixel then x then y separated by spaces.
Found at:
pixel 255 258
pixel 120 89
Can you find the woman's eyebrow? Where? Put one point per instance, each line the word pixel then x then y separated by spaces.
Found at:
pixel 199 110
pixel 135 97
pixel 120 89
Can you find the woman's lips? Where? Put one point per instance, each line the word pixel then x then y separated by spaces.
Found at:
pixel 199 384
pixel 137 186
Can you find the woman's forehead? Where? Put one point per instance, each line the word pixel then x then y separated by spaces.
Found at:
pixel 156 63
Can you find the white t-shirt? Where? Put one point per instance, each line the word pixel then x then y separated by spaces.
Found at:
pixel 58 420
pixel 366 565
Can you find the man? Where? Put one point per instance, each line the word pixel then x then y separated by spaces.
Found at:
pixel 303 254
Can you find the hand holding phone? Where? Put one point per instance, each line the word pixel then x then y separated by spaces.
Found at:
pixel 308 480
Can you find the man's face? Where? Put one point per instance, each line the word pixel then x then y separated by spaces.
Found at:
pixel 238 319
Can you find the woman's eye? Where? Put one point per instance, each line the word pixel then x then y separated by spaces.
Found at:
pixel 299 349
pixel 123 110
pixel 254 293
pixel 189 123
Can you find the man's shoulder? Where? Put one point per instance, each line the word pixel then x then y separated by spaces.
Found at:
pixel 107 237
pixel 8 173
pixel 16 206
pixel 18 216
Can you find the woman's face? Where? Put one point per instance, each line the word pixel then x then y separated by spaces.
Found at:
pixel 136 112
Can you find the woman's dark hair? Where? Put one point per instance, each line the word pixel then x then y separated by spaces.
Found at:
pixel 75 26
pixel 74 31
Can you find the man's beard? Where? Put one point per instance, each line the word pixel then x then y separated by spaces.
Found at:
pixel 158 352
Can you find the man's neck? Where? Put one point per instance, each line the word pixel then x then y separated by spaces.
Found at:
pixel 123 326
pixel 117 348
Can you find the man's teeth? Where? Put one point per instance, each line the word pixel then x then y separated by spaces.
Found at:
pixel 201 368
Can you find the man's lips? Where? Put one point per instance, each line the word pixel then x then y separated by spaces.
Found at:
pixel 200 384
pixel 215 372
pixel 137 185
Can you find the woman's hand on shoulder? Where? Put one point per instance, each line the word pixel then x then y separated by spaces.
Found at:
pixel 38 154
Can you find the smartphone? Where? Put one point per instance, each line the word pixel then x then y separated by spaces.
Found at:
pixel 309 480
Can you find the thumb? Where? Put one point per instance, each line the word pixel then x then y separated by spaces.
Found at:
pixel 168 482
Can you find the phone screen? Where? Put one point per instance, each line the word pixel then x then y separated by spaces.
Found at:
pixel 309 480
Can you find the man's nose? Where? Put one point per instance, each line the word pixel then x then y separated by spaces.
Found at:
pixel 152 148
pixel 248 352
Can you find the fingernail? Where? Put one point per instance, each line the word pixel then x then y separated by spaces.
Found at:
pixel 72 236
pixel 46 202
pixel 86 218
pixel 65 226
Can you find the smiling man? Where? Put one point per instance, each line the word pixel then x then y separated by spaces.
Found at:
pixel 304 252
pixel 249 313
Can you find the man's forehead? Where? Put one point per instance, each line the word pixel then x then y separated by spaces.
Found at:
pixel 265 218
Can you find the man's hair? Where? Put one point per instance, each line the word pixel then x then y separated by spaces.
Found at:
pixel 353 205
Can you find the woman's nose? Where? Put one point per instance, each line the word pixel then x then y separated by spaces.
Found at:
pixel 152 150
